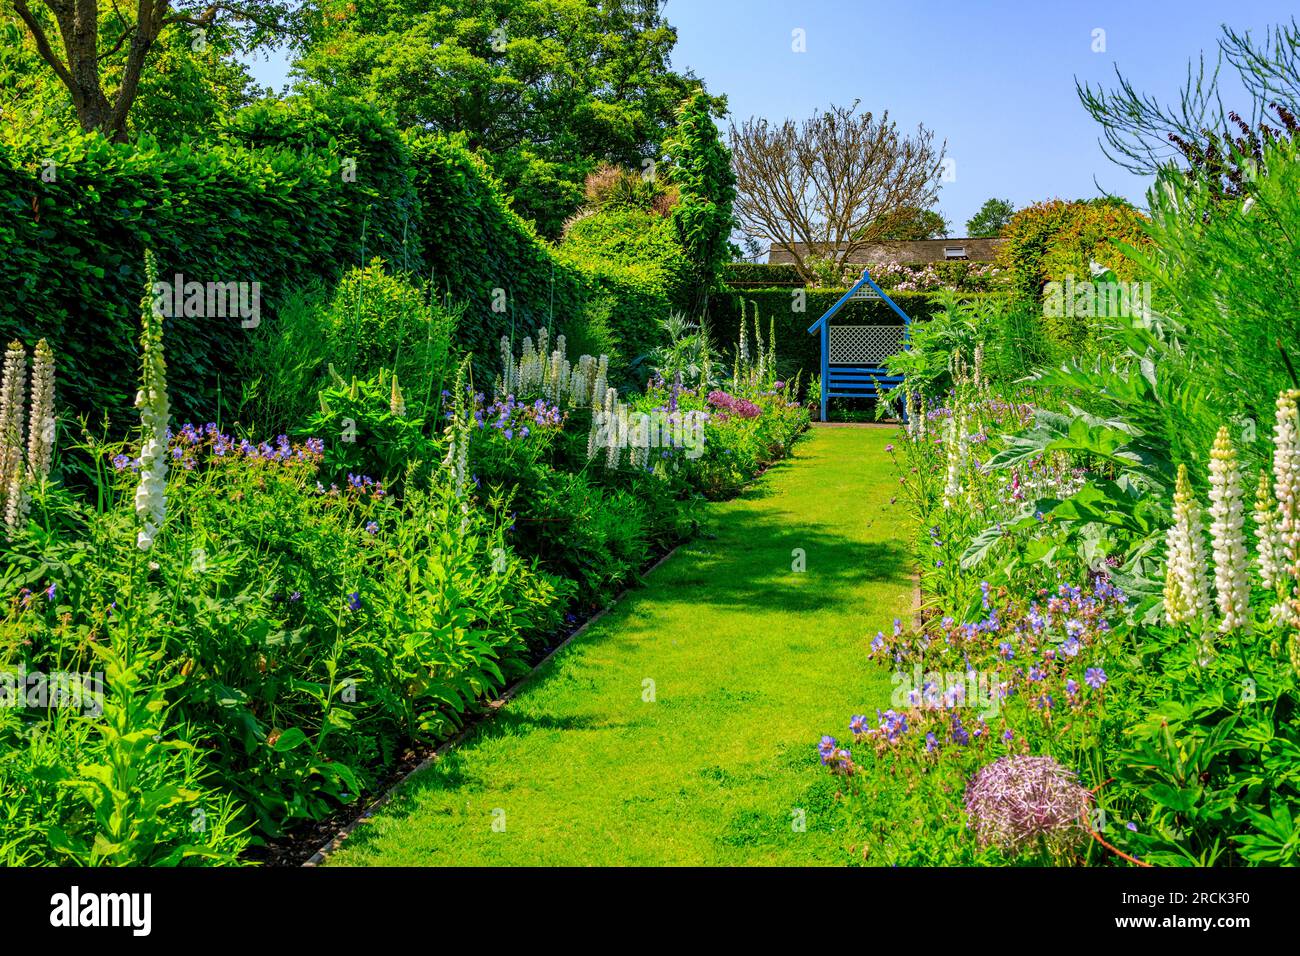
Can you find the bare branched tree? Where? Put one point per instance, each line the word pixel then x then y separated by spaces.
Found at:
pixel 78 43
pixel 827 187
pixel 1141 134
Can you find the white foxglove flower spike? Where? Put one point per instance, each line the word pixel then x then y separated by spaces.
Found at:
pixel 155 415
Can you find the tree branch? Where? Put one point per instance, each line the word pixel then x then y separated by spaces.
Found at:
pixel 43 42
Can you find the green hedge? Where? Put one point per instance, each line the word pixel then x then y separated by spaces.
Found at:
pixel 297 192
pixel 763 275
pixel 796 349
pixel 476 245
pixel 71 249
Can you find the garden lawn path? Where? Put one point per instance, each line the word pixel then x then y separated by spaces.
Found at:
pixel 751 663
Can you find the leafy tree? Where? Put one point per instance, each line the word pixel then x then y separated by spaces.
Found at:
pixel 701 169
pixel 823 189
pixel 106 59
pixel 544 90
pixel 991 219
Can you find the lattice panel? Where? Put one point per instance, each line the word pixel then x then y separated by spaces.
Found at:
pixel 867 345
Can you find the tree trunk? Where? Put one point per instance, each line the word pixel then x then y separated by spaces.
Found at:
pixel 78 70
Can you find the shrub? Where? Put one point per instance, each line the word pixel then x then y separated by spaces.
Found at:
pixel 634 257
pixel 374 323
pixel 1053 240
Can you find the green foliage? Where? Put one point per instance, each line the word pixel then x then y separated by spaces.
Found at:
pixel 761 275
pixel 615 186
pixel 145 794
pixel 689 357
pixel 909 223
pixel 186 88
pixel 593 527
pixel 368 435
pixel 1223 270
pixel 275 203
pixel 991 218
pixel 626 250
pixel 104 779
pixel 1003 331
pixel 301 635
pixel 379 321
pixel 1212 767
pixel 71 249
pixel 751 424
pixel 701 169
pixel 479 245
pixel 375 322
pixel 1188 738
pixel 1056 240
pixel 539 88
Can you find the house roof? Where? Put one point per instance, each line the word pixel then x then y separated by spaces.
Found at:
pixel 903 251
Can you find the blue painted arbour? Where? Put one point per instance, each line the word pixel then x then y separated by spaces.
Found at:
pixel 853 356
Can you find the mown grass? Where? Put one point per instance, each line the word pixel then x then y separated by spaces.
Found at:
pixel 750 661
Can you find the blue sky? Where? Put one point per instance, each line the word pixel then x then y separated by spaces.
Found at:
pixel 995 78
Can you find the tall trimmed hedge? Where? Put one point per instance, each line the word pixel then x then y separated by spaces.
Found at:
pixel 297 192
pixel 71 251
pixel 475 245
pixel 761 275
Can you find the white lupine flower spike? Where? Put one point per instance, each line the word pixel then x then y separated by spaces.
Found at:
pixel 1228 535
pixel 13 381
pixel 1187 592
